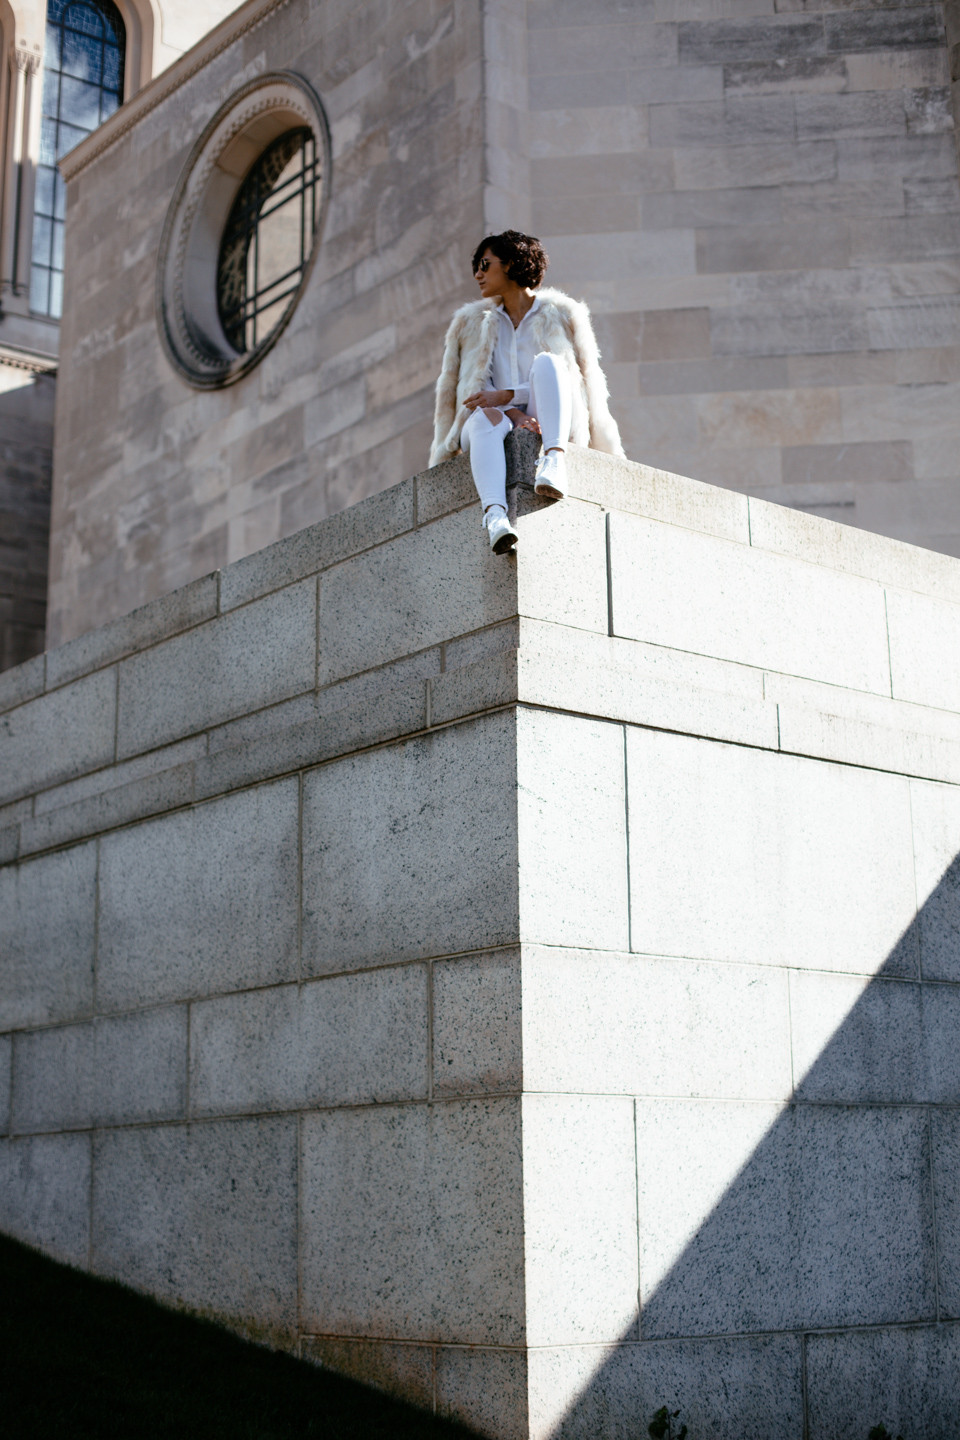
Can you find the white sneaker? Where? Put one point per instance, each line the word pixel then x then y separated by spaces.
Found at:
pixel 503 537
pixel 551 479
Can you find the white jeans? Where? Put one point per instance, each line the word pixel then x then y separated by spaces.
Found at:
pixel 551 401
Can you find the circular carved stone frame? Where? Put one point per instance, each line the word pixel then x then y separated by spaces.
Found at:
pixel 238 134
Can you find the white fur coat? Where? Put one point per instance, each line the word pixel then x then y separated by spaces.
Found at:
pixel 561 326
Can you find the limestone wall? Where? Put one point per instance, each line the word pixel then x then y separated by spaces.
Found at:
pixel 422 959
pixel 762 202
pixel 158 483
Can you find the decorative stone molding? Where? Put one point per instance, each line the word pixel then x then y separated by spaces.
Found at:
pixel 26 59
pixel 187 316
pixel 233 28
pixel 22 360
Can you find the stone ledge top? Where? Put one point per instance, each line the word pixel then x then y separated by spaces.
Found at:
pixel 600 479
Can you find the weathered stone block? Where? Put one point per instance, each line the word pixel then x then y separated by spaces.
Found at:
pixel 935 813
pixel 906 1377
pixel 231 1187
pixel 830 1203
pixel 738 120
pixel 946 1184
pixel 695 593
pixel 371 522
pixel 842 547
pixel 52 1079
pixel 773 247
pixel 447 583
pixel 866 113
pixel 180 610
pixel 115 806
pixel 643 684
pixel 22 682
pixel 730 1388
pixel 256 656
pixel 156 762
pixel 571 822
pixel 572 49
pixel 413 1222
pixel 598 1022
pixel 202 899
pixel 658 495
pixel 140 1066
pixel 907 739
pixel 484 1388
pixel 884 29
pixel 48 920
pixel 922 631
pixel 405 1371
pixel 409 852
pixel 547 589
pixel 349 1040
pixel 751 38
pixel 858 1041
pixel 477 1033
pixel 397 712
pixel 132 1068
pixel 713 874
pixel 580 1216
pixel 870 460
pixel 45 1193
pixel 58 736
pixel 445 488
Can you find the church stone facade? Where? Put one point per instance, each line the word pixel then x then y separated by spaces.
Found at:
pixel 52 92
pixel 759 201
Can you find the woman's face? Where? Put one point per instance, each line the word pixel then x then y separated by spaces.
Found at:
pixel 492 279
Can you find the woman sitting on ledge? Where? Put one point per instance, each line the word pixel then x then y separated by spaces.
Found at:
pixel 519 357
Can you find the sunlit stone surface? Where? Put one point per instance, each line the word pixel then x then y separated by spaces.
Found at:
pixel 523 983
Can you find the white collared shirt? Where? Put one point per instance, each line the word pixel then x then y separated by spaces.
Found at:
pixel 513 355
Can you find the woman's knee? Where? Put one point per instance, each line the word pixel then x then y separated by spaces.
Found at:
pixel 547 361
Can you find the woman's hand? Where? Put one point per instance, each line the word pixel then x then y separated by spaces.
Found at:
pixel 522 421
pixel 488 399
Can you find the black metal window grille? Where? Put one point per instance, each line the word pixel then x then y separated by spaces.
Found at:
pixel 82 85
pixel 268 238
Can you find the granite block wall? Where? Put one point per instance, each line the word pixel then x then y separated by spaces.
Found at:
pixel 531 988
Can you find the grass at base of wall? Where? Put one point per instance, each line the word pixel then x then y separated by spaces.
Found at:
pixel 81 1357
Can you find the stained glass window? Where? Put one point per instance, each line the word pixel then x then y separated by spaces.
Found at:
pixel 82 85
pixel 267 239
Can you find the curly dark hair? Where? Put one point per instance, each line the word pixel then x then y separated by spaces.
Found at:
pixel 522 256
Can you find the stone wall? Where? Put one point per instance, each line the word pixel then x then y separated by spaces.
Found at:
pixel 158 483
pixel 26 461
pixel 761 201
pixel 417 958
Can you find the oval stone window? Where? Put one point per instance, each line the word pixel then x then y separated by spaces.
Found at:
pixel 268 239
pixel 242 229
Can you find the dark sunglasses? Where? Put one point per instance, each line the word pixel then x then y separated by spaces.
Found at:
pixel 483 267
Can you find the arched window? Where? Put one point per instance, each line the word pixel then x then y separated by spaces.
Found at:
pixel 82 85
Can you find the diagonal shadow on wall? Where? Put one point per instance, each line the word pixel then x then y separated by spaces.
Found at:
pixel 820 1296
